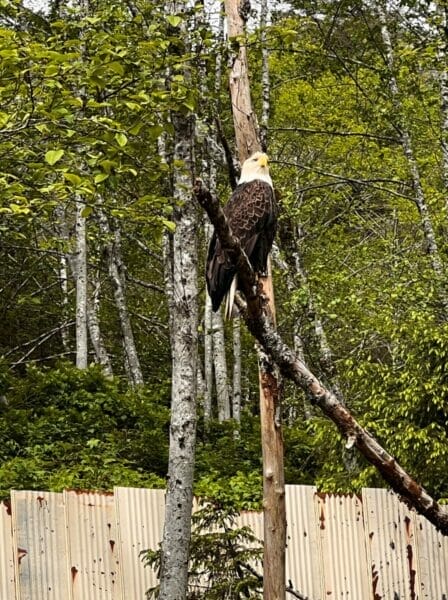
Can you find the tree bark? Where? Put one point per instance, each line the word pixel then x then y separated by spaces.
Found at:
pixel 291 367
pixel 220 366
pixel 443 83
pixel 81 285
pixel 93 322
pixel 236 388
pixel 244 119
pixel 265 83
pixel 184 328
pixel 117 277
pixel 176 535
pixel 208 359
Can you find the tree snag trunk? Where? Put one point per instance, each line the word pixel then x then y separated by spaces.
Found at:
pixel 244 119
pixel 274 510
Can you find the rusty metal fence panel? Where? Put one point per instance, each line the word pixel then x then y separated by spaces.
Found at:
pixel 303 555
pixel 7 585
pixel 92 544
pixel 432 561
pixel 392 549
pixel 140 515
pixel 86 546
pixel 343 546
pixel 39 543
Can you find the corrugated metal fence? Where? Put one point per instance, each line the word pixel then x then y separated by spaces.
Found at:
pixel 86 546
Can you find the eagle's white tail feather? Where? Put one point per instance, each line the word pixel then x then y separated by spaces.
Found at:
pixel 230 297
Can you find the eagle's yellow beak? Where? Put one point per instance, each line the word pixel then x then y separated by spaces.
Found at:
pixel 263 160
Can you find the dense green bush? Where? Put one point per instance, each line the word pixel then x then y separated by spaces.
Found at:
pixel 64 428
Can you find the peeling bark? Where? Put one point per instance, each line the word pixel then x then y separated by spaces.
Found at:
pixel 244 119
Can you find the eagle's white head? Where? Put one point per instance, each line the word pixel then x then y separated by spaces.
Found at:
pixel 256 167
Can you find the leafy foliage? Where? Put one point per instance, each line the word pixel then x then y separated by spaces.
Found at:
pixel 85 100
pixel 67 428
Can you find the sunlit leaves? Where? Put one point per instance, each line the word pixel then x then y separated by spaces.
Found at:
pixel 53 156
pixel 121 139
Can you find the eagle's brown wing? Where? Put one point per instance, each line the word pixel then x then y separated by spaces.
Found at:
pixel 252 216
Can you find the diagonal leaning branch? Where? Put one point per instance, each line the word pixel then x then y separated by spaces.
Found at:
pixel 291 367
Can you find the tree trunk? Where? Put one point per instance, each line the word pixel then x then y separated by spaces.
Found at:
pixel 81 285
pixel 208 359
pixel 93 322
pixel 236 392
pixel 117 277
pixel 184 327
pixel 176 535
pixel 265 83
pixel 63 279
pixel 443 83
pixel 244 119
pixel 247 141
pixel 220 365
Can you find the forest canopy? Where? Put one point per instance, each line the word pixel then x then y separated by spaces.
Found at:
pixel 357 139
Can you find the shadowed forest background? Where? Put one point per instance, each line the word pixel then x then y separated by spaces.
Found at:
pixel 357 137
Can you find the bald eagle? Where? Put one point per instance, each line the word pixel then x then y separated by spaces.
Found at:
pixel 252 216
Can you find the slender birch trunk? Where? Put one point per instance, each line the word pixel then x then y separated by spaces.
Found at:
pixel 93 322
pixel 176 535
pixel 208 359
pixel 265 83
pixel 184 314
pixel 117 277
pixel 220 365
pixel 63 280
pixel 443 84
pixel 236 393
pixel 406 141
pixel 81 286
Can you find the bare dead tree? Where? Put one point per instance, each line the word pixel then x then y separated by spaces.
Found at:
pixel 291 367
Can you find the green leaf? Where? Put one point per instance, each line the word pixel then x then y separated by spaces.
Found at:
pixel 52 156
pixel 75 179
pixel 99 177
pixel 117 67
pixel 169 225
pixel 174 20
pixel 86 211
pixel 122 140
